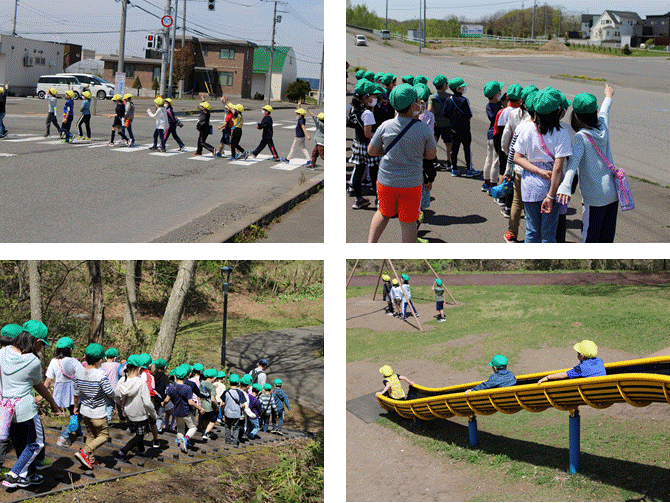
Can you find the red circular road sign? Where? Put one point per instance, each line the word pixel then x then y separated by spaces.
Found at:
pixel 167 21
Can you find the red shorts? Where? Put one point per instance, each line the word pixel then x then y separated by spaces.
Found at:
pixel 402 201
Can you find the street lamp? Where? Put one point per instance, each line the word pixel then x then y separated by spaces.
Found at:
pixel 225 270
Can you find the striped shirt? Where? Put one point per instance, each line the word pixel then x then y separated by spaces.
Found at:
pixel 267 403
pixel 93 388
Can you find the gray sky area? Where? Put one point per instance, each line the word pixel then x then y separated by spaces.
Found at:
pixel 95 24
pixel 473 10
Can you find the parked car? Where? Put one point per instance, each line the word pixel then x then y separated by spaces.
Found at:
pixel 99 87
pixel 61 83
pixel 361 40
pixel 385 35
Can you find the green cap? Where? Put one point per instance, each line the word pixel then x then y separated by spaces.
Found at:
pixel 422 91
pixel 234 379
pixel 438 282
pixel 161 363
pixel 172 372
pixel 420 79
pixel 514 92
pixel 546 102
pixel 38 330
pixel 408 79
pixel 379 90
pixel 440 80
pixel 405 277
pixel 134 361
pixel 65 342
pixel 112 353
pixel 267 386
pixel 498 361
pixel 93 350
pixel 11 330
pixel 246 380
pixel 199 367
pixel 180 372
pixel 370 75
pixel 565 102
pixel 188 368
pixel 278 382
pixel 492 88
pixel 209 373
pixel 456 83
pixel 363 87
pixel 386 79
pixel 360 74
pixel 402 96
pixel 220 374
pixel 529 100
pixel 527 90
pixel 378 76
pixel 146 360
pixel 257 387
pixel 585 103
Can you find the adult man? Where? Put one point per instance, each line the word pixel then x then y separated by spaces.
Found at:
pixel 258 374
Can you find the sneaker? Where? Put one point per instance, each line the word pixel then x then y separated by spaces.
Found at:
pixel 360 203
pixel 63 442
pixel 161 149
pixel 275 159
pixel 238 156
pixel 47 135
pixel 471 173
pixel 283 159
pixel 246 155
pixel 441 319
pixel 156 444
pixel 111 143
pixel 206 436
pixel 182 445
pixel 505 212
pixel 15 481
pixel 421 240
pixel 455 172
pixel 389 314
pixel 421 217
pixel 153 148
pixel 87 138
pixel 509 237
pixel 448 164
pixel 183 147
pixel 500 202
pixel 132 143
pixel 195 153
pixel 83 459
pixel 486 187
pixel 4 134
pixel 308 163
pixel 278 432
pixel 231 158
pixel 217 154
pixel 120 455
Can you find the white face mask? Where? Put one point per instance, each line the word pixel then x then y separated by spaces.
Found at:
pixel 373 102
pixel 416 111
pixel 499 97
pixel 464 90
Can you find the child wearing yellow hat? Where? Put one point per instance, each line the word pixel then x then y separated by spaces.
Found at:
pixel 204 129
pixel 118 115
pixel 161 123
pixel 236 131
pixel 300 135
pixel 265 125
pixel 318 137
pixel 52 102
pixel 589 364
pixel 392 387
pixel 68 115
pixel 386 295
pixel 85 119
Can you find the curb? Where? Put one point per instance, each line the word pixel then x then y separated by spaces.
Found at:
pixel 265 214
pixel 573 79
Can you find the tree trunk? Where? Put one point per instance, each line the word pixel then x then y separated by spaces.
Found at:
pixel 174 309
pixel 35 290
pixel 97 329
pixel 133 278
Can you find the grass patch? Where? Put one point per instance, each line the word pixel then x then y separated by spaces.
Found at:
pixel 582 77
pixel 649 181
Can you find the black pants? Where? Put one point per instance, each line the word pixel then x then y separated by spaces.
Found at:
pixel 269 143
pixel 172 130
pixel 51 119
pixel 84 120
pixel 136 441
pixel 66 126
pixel 202 142
pixel 359 171
pixel 461 138
pixel 502 158
pixel 235 141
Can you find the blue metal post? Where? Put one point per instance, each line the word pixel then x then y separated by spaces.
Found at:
pixel 574 441
pixel 472 429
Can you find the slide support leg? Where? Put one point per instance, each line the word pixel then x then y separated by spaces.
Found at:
pixel 574 441
pixel 472 429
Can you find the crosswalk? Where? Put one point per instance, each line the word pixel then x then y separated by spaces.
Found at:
pixel 129 151
pixel 250 124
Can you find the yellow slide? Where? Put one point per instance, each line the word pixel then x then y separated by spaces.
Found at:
pixel 636 382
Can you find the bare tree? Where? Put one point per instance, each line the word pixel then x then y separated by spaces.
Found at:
pixel 97 302
pixel 35 290
pixel 174 310
pixel 133 278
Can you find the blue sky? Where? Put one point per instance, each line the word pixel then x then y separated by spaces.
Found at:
pixel 475 9
pixel 301 27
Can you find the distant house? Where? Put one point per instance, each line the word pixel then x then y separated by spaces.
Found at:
pixel 588 20
pixel 612 25
pixel 284 71
pixel 145 69
pixel 23 61
pixel 657 26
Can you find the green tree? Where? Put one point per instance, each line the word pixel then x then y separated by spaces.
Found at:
pixel 155 86
pixel 137 84
pixel 298 90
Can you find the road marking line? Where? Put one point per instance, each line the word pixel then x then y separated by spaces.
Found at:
pixel 282 166
pixel 201 158
pixel 657 109
pixel 32 138
pixel 7 155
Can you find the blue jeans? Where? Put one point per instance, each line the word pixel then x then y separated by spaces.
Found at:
pixel 253 427
pixel 280 420
pixel 2 123
pixel 265 422
pixel 540 227
pixel 28 440
pixel 130 132
pixel 159 133
pixel 404 308
pixel 160 415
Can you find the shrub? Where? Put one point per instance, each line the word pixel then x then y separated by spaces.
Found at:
pixel 259 96
pixel 626 50
pixel 296 91
pixel 137 84
pixel 155 86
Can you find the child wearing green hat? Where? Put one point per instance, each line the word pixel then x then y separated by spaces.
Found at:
pixel 436 104
pixel 268 406
pixel 209 405
pixel 253 425
pixel 596 183
pixel 501 377
pixel 407 298
pixel 281 401
pixel 161 381
pixel 235 402
pixel 112 370
pixel 459 113
pixel 492 91
pixel 181 396
pixel 439 299
pixel 92 389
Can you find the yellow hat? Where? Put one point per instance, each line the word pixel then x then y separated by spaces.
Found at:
pixel 69 94
pixel 86 94
pixel 386 371
pixel 394 281
pixel 128 96
pixel 320 116
pixel 386 277
pixel 239 107
pixel 53 91
pixel 586 348
pixel 168 100
pixel 205 105
pixel 301 111
pixel 159 101
pixel 2 90
pixel 268 108
pixel 117 97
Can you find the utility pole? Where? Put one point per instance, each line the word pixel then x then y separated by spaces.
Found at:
pixel 532 32
pixel 16 5
pixel 386 25
pixel 165 50
pixel 183 42
pixel 545 21
pixel 122 33
pixel 419 25
pixel 174 36
pixel 321 78
pixel 268 83
pixel 424 23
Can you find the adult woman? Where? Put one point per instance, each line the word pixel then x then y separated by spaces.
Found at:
pixel 20 372
pixel 363 121
pixel 599 196
pixel 540 149
pixel 404 143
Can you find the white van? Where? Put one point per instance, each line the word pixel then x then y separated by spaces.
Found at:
pixel 99 87
pixel 385 35
pixel 61 83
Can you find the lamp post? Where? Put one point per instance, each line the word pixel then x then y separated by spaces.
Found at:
pixel 225 270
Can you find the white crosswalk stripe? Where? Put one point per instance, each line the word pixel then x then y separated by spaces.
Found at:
pixel 170 153
pixel 31 138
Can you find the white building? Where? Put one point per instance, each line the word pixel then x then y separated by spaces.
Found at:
pixel 612 25
pixel 23 61
pixel 588 20
pixel 284 71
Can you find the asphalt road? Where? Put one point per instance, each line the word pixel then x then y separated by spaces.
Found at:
pixel 91 192
pixel 460 212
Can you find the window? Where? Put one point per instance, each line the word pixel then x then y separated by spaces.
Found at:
pixel 226 78
pixel 157 73
pixel 130 70
pixel 227 54
pixel 205 50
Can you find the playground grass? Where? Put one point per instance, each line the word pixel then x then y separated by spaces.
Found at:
pixel 624 457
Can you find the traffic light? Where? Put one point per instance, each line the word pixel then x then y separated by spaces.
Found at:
pixel 151 41
pixel 159 42
pixel 210 4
